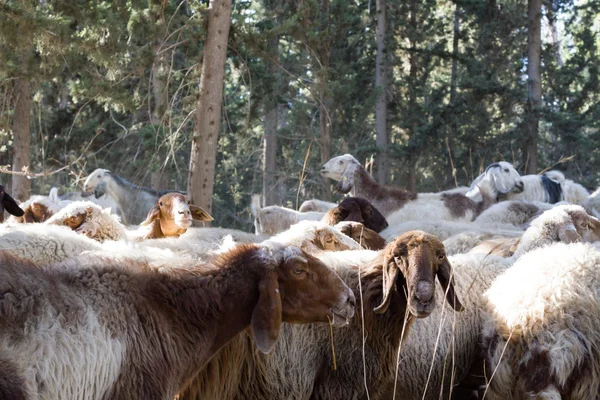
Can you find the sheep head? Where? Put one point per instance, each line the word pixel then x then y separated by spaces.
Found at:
pixel 326 239
pixel 296 288
pixel 94 179
pixel 9 204
pixel 356 209
pixel 410 265
pixel 174 213
pixel 583 228
pixel 367 238
pixel 36 212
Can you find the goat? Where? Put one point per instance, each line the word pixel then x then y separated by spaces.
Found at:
pixel 359 210
pixel 9 204
pixel 114 330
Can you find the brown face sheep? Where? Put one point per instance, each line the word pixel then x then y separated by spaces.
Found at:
pixel 367 238
pixel 300 366
pixel 172 216
pixel 119 330
pixel 356 209
pixel 36 209
pixel 9 204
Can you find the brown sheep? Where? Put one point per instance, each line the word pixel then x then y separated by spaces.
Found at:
pixel 9 204
pixel 395 285
pixel 356 209
pixel 110 330
pixel 367 238
pixel 172 215
pixel 36 209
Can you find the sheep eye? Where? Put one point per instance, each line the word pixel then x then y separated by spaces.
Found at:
pixel 99 176
pixel 189 202
pixel 441 257
pixel 160 203
pixel 299 271
pixel 505 169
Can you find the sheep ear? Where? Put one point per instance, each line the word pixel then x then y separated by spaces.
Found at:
pixel 153 214
pixel 390 273
pixel 266 317
pixel 446 279
pixel 199 214
pixel 346 182
pixel 568 234
pixel 11 206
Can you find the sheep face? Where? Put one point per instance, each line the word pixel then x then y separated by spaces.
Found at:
pixel 299 288
pixel 326 240
pixel 410 265
pixel 336 167
pixel 174 212
pixel 9 204
pixel 504 177
pixel 587 228
pixel 356 209
pixel 94 179
pixel 36 212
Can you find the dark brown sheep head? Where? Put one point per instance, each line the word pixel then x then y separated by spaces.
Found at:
pixel 367 238
pixel 174 213
pixel 298 288
pixel 410 265
pixel 9 204
pixel 584 228
pixel 356 209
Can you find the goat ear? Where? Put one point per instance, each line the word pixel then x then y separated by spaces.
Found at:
pixel 11 206
pixel 199 214
pixel 390 273
pixel 153 214
pixel 446 279
pixel 346 182
pixel 266 317
pixel 568 234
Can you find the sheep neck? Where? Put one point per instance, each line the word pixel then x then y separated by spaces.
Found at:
pixel 212 309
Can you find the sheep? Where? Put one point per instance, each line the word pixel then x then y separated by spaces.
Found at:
pixel 104 201
pixel 171 216
pixel 514 212
pixel 133 201
pixel 36 209
pixel 367 238
pixel 300 365
pixel 91 220
pixel 316 205
pixel 9 204
pixel 275 219
pixel 306 234
pixel 359 210
pixel 399 205
pixel 118 331
pixel 550 187
pixel 592 203
pixel 542 326
pixel 44 244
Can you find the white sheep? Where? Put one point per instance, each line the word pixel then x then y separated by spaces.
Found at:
pixel 542 326
pixel 316 205
pixel 37 208
pixel 316 233
pixel 514 212
pixel 274 219
pixel 91 220
pixel 44 244
pixel 399 205
pixel 104 201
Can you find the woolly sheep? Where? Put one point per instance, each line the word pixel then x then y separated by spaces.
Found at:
pixel 514 212
pixel 114 330
pixel 274 219
pixel 104 201
pixel 91 220
pixel 356 209
pixel 543 326
pixel 592 203
pixel 37 208
pixel 550 187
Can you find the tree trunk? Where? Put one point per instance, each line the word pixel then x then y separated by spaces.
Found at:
pixel 382 102
pixel 322 82
pixel 270 126
pixel 452 126
pixel 551 15
pixel 201 177
pixel 21 185
pixel 534 95
pixel 159 85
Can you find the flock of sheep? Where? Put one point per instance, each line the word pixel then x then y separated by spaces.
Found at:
pixel 116 296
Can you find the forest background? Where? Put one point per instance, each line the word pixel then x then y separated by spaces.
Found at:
pixel 426 92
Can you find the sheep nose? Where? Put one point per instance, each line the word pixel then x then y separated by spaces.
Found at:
pixel 351 299
pixel 425 291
